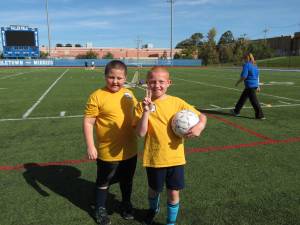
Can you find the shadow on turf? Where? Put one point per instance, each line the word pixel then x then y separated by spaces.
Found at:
pixel 215 112
pixel 66 182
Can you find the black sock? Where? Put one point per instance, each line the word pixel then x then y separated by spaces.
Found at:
pixel 126 189
pixel 101 195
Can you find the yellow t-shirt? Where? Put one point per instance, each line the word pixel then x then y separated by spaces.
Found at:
pixel 162 147
pixel 116 139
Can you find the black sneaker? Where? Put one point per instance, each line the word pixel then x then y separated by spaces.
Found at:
pixel 101 216
pixel 150 217
pixel 232 112
pixel 127 211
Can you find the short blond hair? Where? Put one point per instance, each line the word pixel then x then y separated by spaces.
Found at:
pixel 157 69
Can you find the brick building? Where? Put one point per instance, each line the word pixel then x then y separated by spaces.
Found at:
pixel 118 53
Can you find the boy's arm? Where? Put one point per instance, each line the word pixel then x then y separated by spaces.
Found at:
pixel 88 127
pixel 196 130
pixel 142 125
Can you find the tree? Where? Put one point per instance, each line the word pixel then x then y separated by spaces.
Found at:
pixel 43 55
pixel 58 45
pixel 226 38
pixel 225 47
pixel 108 55
pixel 225 53
pixel 260 49
pixel 239 50
pixel 68 45
pixel 88 55
pixel 78 45
pixel 208 51
pixel 194 40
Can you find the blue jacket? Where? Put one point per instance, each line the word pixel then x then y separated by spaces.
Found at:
pixel 251 73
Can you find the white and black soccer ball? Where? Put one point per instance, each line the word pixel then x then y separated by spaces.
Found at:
pixel 183 121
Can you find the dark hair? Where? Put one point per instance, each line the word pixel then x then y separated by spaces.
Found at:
pixel 115 64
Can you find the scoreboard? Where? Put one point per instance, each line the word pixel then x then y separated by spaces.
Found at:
pixel 20 42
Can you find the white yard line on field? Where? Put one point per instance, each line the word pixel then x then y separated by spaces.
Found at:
pixel 27 113
pixel 40 118
pixel 288 103
pixel 250 107
pixel 9 76
pixel 215 106
pixel 79 116
pixel 233 89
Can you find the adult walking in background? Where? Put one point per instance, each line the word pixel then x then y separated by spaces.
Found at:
pixel 250 76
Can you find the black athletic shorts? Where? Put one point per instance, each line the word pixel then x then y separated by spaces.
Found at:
pixel 113 172
pixel 173 177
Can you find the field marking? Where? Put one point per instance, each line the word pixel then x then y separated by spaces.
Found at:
pixel 215 106
pixel 78 116
pixel 288 103
pixel 228 122
pixel 40 118
pixel 8 76
pixel 243 145
pixel 27 113
pixel 62 113
pixel 15 75
pixel 233 89
pixel 188 151
pixel 250 107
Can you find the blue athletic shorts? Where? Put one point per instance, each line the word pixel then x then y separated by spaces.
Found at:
pixel 173 177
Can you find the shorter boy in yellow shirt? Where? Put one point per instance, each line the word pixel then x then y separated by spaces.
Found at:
pixel 164 157
pixel 110 111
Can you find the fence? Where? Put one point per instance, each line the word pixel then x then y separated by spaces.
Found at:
pixel 97 62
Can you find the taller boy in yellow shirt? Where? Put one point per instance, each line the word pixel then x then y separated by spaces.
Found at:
pixel 110 111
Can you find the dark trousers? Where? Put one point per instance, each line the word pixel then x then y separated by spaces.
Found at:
pixel 251 94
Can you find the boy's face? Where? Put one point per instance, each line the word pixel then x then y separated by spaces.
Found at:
pixel 158 82
pixel 115 79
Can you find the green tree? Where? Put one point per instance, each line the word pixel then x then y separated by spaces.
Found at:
pixel 108 55
pixel 260 49
pixel 88 55
pixel 59 45
pixel 43 55
pixel 226 38
pixel 208 51
pixel 239 50
pixel 225 53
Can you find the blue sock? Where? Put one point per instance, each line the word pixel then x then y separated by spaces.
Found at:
pixel 172 213
pixel 154 203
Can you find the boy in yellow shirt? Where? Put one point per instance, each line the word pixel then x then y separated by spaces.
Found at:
pixel 163 151
pixel 110 111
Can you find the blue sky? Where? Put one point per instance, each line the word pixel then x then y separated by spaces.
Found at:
pixel 117 23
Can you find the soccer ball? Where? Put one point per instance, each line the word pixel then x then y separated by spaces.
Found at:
pixel 183 121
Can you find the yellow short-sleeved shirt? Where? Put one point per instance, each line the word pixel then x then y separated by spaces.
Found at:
pixel 116 139
pixel 162 147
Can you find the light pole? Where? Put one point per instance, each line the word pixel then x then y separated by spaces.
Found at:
pixel 171 34
pixel 138 42
pixel 48 28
